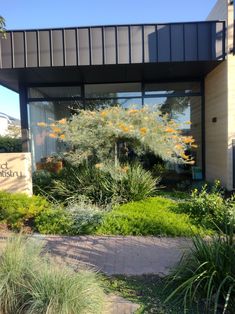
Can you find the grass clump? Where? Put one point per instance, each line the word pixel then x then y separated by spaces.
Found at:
pixel 153 216
pixel 205 277
pixel 30 284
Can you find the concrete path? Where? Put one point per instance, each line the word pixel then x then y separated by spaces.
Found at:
pixel 119 255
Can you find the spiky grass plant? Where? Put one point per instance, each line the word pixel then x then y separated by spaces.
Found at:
pixel 16 266
pixel 205 277
pixel 30 283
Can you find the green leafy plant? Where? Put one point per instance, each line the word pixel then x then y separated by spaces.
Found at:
pixel 42 182
pixel 9 144
pixel 205 277
pixel 54 221
pixel 153 216
pixel 19 210
pixel 86 217
pixel 209 207
pixel 30 283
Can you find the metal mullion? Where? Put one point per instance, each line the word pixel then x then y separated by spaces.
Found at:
pixel 25 50
pixel 142 37
pixel 12 51
pixel 116 43
pixel 64 47
pixel 129 43
pixel 103 45
pixel 38 48
pixel 51 47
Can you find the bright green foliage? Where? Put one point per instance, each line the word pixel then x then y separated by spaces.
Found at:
pixel 19 209
pixel 9 144
pixel 54 221
pixel 205 277
pixel 210 208
pixel 154 216
pixel 30 284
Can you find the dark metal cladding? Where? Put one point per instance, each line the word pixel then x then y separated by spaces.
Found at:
pixel 120 44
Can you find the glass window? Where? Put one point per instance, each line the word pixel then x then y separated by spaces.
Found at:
pixel 54 92
pixel 172 88
pixel 186 111
pixel 113 90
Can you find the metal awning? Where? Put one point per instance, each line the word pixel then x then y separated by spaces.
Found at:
pixel 116 53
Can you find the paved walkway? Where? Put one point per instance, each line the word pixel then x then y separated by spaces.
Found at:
pixel 119 255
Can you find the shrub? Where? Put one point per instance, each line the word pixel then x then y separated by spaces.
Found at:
pixel 35 285
pixel 104 185
pixel 205 277
pixel 18 209
pixel 54 221
pixel 86 217
pixel 209 208
pixel 138 184
pixel 42 182
pixel 9 144
pixel 153 216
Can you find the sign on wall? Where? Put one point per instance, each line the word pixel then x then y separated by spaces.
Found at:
pixel 15 172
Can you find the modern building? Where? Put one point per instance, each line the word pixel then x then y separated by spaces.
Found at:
pixel 187 69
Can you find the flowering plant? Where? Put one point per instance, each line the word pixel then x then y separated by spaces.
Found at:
pixel 96 134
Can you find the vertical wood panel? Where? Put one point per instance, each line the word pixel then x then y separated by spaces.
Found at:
pixel 150 44
pixel 70 47
pixel 136 44
pixel 19 53
pixel 177 42
pixel 123 45
pixel 57 48
pixel 204 41
pixel 31 49
pixel 190 36
pixel 110 45
pixel 96 45
pixel 83 46
pixel 44 48
pixel 164 49
pixel 6 51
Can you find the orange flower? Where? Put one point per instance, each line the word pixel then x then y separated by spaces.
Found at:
pixel 62 136
pixel 52 135
pixel 41 124
pixel 188 140
pixel 170 130
pixel 103 113
pixel 194 146
pixel 62 121
pixel 56 129
pixel 143 131
pixel 178 146
pixel 184 156
pixel 133 111
pixel 98 166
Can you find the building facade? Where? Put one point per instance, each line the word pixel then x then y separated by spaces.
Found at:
pixel 185 69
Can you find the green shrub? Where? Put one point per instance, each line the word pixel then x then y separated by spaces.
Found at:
pixel 86 217
pixel 31 284
pixel 42 182
pixel 209 207
pixel 138 184
pixel 205 277
pixel 153 216
pixel 103 186
pixel 54 221
pixel 9 144
pixel 19 209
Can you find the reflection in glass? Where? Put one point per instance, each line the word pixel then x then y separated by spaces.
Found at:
pixel 113 90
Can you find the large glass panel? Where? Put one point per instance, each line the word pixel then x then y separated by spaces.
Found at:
pixel 113 90
pixel 172 88
pixel 42 113
pixel 54 92
pixel 187 112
